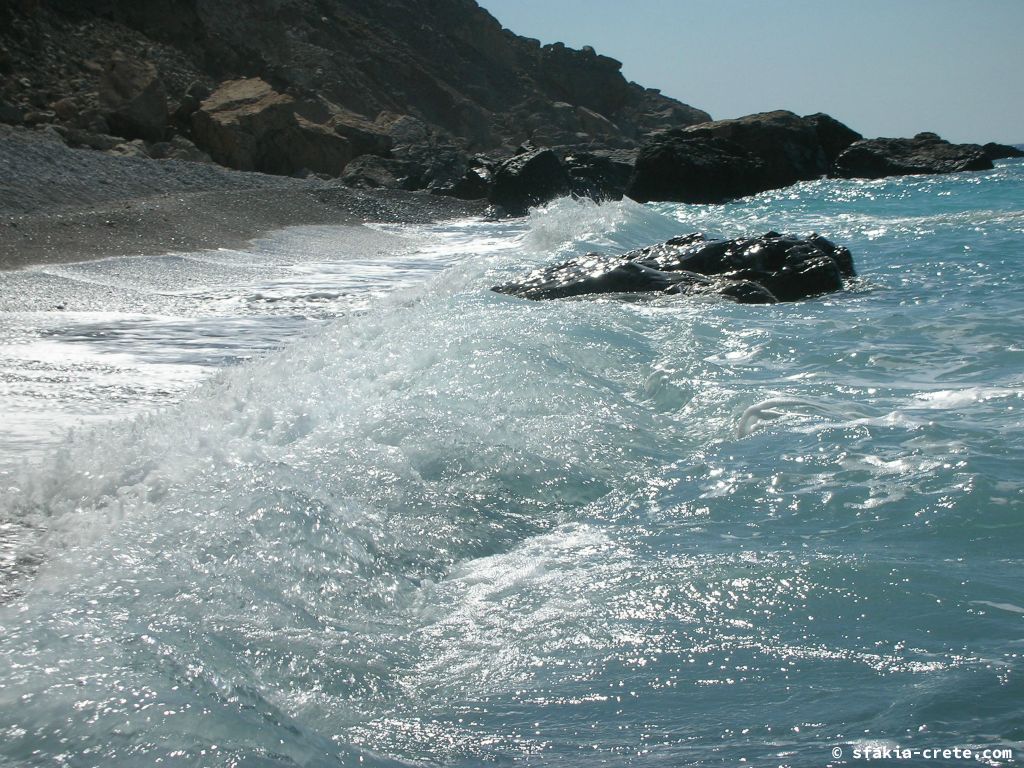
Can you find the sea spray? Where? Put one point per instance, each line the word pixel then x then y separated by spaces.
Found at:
pixel 447 526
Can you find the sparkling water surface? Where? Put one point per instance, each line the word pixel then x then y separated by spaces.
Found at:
pixel 329 501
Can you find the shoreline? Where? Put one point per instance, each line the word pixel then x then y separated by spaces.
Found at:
pixel 61 205
pixel 203 220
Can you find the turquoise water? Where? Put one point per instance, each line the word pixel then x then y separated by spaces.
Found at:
pixel 348 507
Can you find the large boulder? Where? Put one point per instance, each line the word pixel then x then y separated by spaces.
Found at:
pixel 473 184
pixel 246 124
pixel 756 270
pixel 688 169
pixel 237 123
pixel 994 151
pixel 725 159
pixel 925 153
pixel 530 178
pixel 833 136
pixel 601 174
pixel 788 146
pixel 133 99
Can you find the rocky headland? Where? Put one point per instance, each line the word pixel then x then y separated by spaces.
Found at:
pixel 399 95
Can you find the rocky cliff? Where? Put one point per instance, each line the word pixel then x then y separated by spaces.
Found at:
pixel 289 86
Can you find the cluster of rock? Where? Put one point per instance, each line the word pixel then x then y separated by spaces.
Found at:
pixel 924 153
pixel 758 270
pixel 715 162
pixel 728 159
pixel 398 94
pixel 308 86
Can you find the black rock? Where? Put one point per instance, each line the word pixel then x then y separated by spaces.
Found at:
pixel 925 153
pixel 756 270
pixel 531 178
pixel 473 185
pixel 9 113
pixel 601 175
pixel 726 159
pixel 833 135
pixel 687 169
pixel 995 151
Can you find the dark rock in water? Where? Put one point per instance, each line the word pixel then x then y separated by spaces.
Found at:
pixel 726 159
pixel 787 145
pixel 925 153
pixel 758 270
pixel 833 136
pixel 995 151
pixel 687 169
pixel 530 178
pixel 594 273
pixel 600 175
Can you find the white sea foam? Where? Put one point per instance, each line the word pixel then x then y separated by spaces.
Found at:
pixel 352 500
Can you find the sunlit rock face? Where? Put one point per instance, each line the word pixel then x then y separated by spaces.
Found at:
pixel 758 270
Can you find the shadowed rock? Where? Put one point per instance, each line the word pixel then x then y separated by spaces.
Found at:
pixel 758 270
pixel 529 178
pixel 248 125
pixel 925 153
pixel 994 151
pixel 723 160
pixel 687 169
pixel 600 175
pixel 133 98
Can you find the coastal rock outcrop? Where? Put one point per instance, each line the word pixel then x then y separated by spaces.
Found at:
pixel 924 153
pixel 758 270
pixel 447 65
pixel 529 178
pixel 687 169
pixel 994 151
pixel 726 159
pixel 600 174
pixel 428 96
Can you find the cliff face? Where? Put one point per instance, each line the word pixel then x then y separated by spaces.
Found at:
pixel 446 63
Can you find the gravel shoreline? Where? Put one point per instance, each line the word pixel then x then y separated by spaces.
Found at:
pixel 60 205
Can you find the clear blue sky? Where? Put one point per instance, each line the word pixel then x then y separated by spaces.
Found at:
pixel 885 67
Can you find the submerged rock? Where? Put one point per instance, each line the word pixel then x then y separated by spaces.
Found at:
pixel 757 270
pixel 925 153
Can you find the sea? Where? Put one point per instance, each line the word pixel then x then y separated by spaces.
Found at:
pixel 327 500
